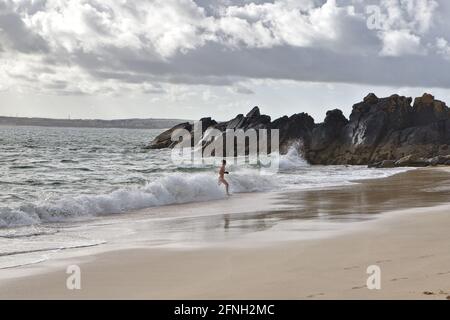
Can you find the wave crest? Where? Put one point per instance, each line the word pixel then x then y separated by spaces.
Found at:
pixel 171 189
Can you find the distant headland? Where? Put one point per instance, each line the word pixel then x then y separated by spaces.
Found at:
pixel 91 123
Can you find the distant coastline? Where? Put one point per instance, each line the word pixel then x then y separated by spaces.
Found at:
pixel 91 123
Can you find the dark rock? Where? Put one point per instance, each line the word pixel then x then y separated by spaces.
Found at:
pixel 374 165
pixel 253 120
pixel 427 110
pixel 236 123
pixel 325 133
pixel 258 122
pixel 207 122
pixel 444 160
pixel 294 129
pixel 164 140
pixel 371 98
pixel 433 161
pixel 387 164
pixel 439 160
pixel 385 129
pixel 412 161
pixel 383 164
pixel 378 129
pixel 369 123
pixel 253 113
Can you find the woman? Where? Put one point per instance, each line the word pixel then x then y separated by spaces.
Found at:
pixel 222 173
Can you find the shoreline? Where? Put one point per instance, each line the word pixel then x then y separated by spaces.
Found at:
pixel 271 269
pixel 413 266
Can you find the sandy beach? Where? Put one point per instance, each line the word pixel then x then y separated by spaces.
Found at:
pixel 228 149
pixel 408 241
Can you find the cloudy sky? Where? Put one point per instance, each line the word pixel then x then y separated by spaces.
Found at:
pixel 192 58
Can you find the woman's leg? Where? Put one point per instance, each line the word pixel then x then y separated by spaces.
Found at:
pixel 226 186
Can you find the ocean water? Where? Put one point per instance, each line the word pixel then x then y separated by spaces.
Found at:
pixel 53 177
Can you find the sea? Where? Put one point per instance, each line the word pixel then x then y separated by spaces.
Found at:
pixel 59 187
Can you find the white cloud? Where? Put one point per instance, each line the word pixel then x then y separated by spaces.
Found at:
pixel 401 42
pixel 443 48
pixel 293 23
pixel 109 46
pixel 404 25
pixel 162 27
pixel 414 15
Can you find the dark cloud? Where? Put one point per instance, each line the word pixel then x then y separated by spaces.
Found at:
pixel 22 39
pixel 214 65
pixel 242 89
pixel 210 43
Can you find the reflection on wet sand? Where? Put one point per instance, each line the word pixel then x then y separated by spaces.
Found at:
pixel 357 202
pixel 417 188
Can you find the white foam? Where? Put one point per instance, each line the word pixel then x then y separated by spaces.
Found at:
pixel 175 188
pixel 292 159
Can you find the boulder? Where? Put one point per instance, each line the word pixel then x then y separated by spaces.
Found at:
pixel 383 164
pixel 427 110
pixel 294 129
pixel 444 160
pixel 371 98
pixel 439 160
pixel 387 164
pixel 326 133
pixel 236 123
pixel 164 140
pixel 412 161
pixel 207 123
pixel 253 113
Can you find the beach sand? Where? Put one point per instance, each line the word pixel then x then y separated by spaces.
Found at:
pixel 409 242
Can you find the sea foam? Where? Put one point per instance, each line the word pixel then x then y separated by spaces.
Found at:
pixel 174 188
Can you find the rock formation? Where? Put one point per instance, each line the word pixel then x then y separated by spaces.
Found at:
pixel 380 132
pixel 389 129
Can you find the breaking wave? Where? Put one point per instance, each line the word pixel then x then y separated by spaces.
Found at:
pixel 175 188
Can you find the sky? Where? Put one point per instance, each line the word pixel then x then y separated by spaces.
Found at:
pixel 187 59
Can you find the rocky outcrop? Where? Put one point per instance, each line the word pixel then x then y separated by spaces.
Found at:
pixel 427 110
pixel 356 142
pixel 412 161
pixel 293 129
pixel 253 120
pixel 164 139
pixel 325 137
pixel 380 131
pixel 388 129
pixel 298 126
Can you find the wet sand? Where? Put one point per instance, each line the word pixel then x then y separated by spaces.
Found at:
pixel 409 242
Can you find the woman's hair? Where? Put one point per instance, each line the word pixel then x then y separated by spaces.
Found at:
pixel 224 161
